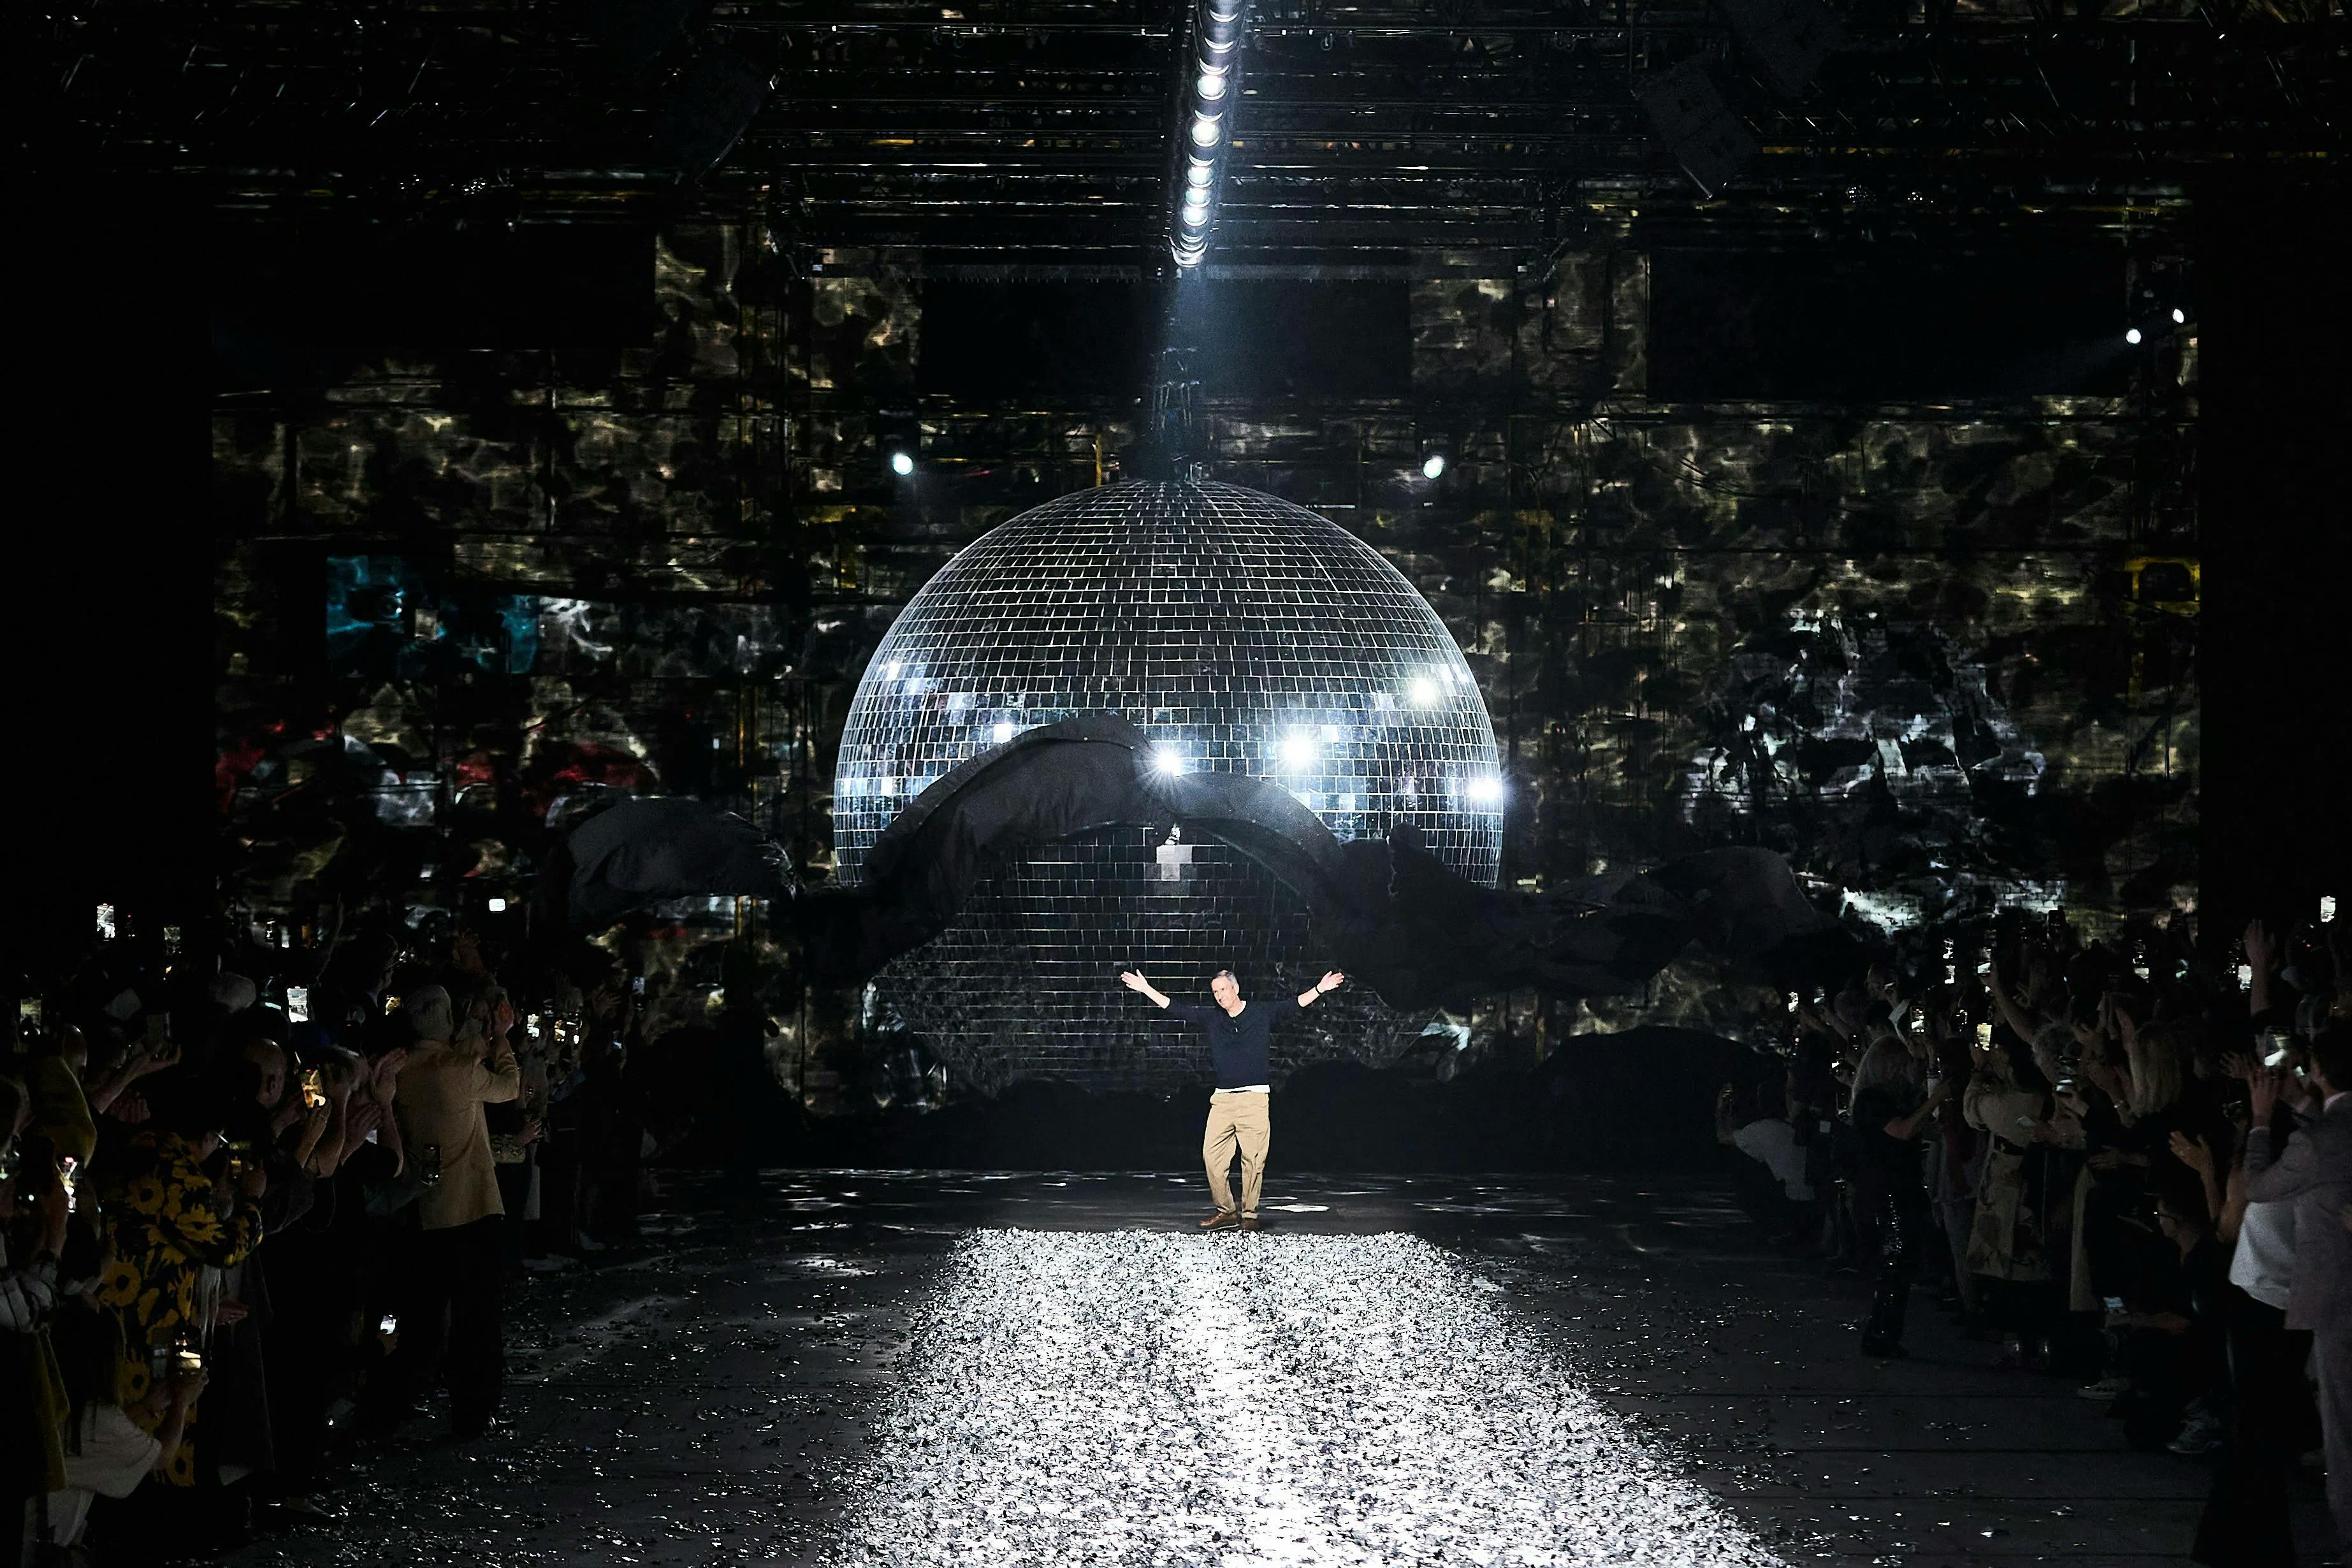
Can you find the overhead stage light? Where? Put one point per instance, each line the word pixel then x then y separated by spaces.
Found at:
pixel 1216 36
pixel 901 464
pixel 2179 317
pixel 1432 466
pixel 2132 336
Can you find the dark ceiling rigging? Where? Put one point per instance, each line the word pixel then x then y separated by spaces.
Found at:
pixel 1028 131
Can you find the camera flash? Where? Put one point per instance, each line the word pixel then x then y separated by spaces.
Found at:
pixel 2245 976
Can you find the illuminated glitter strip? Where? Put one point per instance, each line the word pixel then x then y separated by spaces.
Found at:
pixel 1140 1398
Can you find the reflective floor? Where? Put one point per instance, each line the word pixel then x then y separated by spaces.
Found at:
pixel 894 1367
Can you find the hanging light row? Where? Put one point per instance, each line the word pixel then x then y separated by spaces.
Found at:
pixel 1208 127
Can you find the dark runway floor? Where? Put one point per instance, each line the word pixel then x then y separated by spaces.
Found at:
pixel 917 1368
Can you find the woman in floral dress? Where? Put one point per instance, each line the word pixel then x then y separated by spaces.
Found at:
pixel 172 1218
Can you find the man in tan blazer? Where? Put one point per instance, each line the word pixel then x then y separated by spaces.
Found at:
pixel 2314 1170
pixel 450 1321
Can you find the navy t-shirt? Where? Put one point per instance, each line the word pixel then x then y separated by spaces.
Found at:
pixel 1238 1046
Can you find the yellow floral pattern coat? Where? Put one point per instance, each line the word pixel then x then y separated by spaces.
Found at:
pixel 168 1225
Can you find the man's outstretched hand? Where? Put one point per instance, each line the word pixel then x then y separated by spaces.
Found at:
pixel 1331 981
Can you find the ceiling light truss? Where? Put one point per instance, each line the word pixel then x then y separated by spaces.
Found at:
pixel 1205 135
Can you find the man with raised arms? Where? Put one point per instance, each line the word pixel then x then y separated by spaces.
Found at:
pixel 1237 1111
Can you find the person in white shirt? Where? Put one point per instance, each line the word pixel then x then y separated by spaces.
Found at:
pixel 108 1454
pixel 1770 1140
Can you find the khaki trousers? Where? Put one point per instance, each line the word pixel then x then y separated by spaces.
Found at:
pixel 1236 1119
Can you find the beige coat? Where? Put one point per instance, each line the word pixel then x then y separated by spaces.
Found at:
pixel 2005 1236
pixel 443 1087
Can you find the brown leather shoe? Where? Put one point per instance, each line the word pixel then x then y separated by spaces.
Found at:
pixel 1249 1222
pixel 1223 1219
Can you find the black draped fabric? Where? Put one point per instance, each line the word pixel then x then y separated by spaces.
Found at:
pixel 1389 914
pixel 641 850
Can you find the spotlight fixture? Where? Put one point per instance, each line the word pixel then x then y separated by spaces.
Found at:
pixel 2179 317
pixel 1216 38
pixel 1433 466
pixel 902 464
pixel 2132 335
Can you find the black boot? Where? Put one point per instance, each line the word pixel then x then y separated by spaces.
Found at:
pixel 1882 1335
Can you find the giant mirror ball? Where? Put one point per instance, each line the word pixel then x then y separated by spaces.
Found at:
pixel 1244 634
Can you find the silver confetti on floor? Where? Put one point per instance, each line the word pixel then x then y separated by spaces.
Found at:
pixel 1232 1401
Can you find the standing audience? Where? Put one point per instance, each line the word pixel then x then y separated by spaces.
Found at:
pixel 2144 1163
pixel 239 1245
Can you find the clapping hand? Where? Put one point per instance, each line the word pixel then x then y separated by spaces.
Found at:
pixel 2260 946
pixel 366 1114
pixel 385 1076
pixel 2266 1088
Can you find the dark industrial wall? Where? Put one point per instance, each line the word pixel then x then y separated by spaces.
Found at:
pixel 105 632
pixel 1729 566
